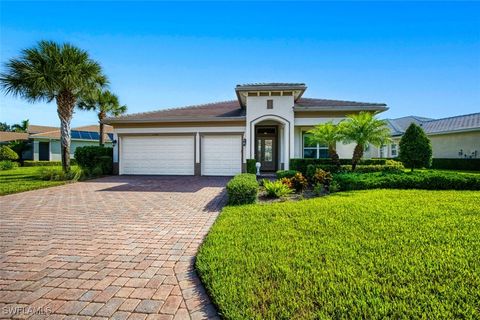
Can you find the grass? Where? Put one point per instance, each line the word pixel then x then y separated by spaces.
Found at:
pixel 364 255
pixel 24 179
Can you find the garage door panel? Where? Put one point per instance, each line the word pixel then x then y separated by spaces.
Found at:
pixel 163 155
pixel 221 155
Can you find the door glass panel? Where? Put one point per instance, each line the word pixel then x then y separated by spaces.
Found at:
pixel 259 150
pixel 268 150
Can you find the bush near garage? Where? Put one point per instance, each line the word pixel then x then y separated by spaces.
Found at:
pixel 91 157
pixel 242 189
pixel 31 163
pixel 251 168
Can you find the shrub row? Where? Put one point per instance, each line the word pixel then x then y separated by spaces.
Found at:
pixel 408 180
pixel 7 165
pixel 302 164
pixel 242 189
pixel 456 164
pixel 95 159
pixel 31 163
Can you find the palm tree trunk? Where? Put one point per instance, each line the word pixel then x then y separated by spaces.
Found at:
pixel 101 116
pixel 357 155
pixel 332 152
pixel 65 105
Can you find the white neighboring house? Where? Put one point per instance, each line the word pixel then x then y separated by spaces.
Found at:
pixel 267 122
pixel 452 137
pixel 45 141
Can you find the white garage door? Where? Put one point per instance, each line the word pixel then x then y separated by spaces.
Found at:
pixel 169 155
pixel 221 155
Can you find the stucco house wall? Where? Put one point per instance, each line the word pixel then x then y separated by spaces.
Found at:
pixel 55 148
pixel 450 145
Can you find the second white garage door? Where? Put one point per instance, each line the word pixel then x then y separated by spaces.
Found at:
pixel 221 155
pixel 163 155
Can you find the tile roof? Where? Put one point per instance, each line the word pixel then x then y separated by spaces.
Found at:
pixel 231 110
pixel 6 136
pixel 465 122
pixel 55 134
pixel 33 128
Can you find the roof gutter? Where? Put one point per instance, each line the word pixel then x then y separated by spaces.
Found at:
pixel 169 120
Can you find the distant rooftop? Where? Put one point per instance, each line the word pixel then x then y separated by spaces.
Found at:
pixel 467 122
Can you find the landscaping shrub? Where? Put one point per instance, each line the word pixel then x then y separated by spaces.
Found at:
pixel 7 165
pixel 322 177
pixel 429 180
pixel 287 181
pixel 276 189
pixel 286 173
pixel 251 168
pixel 6 153
pixel 57 174
pixel 89 157
pixel 299 182
pixel 242 189
pixel 456 164
pixel 415 148
pixel 302 164
pixel 30 163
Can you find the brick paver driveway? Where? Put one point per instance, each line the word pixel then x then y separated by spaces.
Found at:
pixel 117 247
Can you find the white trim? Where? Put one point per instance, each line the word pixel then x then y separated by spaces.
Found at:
pixel 179 130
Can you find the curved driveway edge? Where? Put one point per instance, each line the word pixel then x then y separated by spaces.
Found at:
pixel 118 247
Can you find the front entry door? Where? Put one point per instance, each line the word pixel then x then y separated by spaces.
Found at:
pixel 266 153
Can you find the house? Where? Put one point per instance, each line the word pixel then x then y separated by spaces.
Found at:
pixel 45 140
pixel 452 137
pixel 267 122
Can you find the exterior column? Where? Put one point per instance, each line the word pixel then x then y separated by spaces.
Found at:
pixel 288 142
pixel 248 145
pixel 198 166
pixel 115 154
pixel 36 148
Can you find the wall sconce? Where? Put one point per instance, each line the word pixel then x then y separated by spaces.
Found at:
pixel 244 142
pixel 460 153
pixel 114 143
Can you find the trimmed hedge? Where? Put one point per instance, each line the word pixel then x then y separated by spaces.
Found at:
pixel 428 180
pixel 286 173
pixel 6 153
pixel 7 165
pixel 456 164
pixel 92 157
pixel 242 189
pixel 251 168
pixel 302 164
pixel 31 163
pixel 390 166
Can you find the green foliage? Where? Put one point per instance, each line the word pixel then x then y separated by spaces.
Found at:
pixel 287 181
pixel 415 148
pixel 329 134
pixel 242 189
pixel 301 164
pixel 97 171
pixel 377 254
pixel 299 182
pixel 286 173
pixel 20 147
pixel 276 189
pixel 322 177
pixel 334 187
pixel 456 164
pixel 430 180
pixel 24 179
pixel 7 165
pixel 6 153
pixel 392 167
pixel 30 163
pixel 251 168
pixel 57 174
pixel 319 189
pixel 89 157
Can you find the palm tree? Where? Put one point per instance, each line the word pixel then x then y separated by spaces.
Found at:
pixel 328 133
pixel 105 103
pixel 21 127
pixel 363 129
pixel 51 71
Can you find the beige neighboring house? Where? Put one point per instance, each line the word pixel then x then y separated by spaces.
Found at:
pixel 45 140
pixel 452 137
pixel 267 122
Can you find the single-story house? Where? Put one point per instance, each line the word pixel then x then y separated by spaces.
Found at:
pixel 45 140
pixel 452 137
pixel 267 122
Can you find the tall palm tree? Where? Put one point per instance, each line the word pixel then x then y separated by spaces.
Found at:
pixel 51 71
pixel 328 133
pixel 105 103
pixel 21 127
pixel 363 129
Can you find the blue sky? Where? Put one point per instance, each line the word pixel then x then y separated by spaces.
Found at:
pixel 419 58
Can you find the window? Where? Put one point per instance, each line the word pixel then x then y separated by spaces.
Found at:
pixel 312 149
pixel 269 104
pixel 393 150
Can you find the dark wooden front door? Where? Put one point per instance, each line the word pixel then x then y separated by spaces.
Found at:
pixel 44 151
pixel 266 150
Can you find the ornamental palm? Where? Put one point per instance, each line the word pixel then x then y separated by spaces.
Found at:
pixel 105 103
pixel 328 133
pixel 363 129
pixel 51 71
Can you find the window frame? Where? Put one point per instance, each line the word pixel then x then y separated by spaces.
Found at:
pixel 318 148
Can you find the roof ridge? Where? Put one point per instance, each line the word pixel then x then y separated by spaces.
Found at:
pixel 174 108
pixel 462 115
pixel 352 101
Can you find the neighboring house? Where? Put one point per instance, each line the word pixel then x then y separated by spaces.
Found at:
pixel 453 137
pixel 45 140
pixel 267 122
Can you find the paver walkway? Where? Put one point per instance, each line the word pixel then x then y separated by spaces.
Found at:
pixel 117 247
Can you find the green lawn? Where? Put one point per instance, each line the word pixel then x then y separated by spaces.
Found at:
pixel 371 254
pixel 24 179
